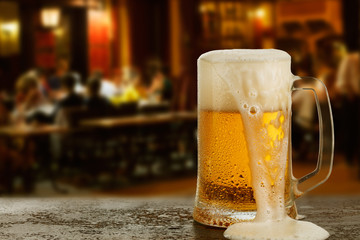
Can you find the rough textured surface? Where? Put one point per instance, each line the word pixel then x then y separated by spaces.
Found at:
pixel 120 218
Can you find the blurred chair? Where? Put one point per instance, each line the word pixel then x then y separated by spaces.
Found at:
pixel 155 141
pixel 85 151
pixel 187 132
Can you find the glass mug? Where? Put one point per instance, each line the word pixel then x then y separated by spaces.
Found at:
pixel 244 123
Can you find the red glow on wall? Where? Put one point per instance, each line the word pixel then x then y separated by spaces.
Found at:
pixel 45 49
pixel 99 41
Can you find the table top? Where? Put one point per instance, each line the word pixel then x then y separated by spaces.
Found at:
pixel 121 218
pixel 25 130
pixel 143 119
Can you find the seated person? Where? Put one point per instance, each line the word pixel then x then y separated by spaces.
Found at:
pixel 28 99
pixel 70 101
pixel 132 89
pixel 107 88
pixel 95 100
pixel 160 88
pixel 54 82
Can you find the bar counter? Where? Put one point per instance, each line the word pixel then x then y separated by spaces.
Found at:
pixel 155 218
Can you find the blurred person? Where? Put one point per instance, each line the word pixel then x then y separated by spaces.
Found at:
pixel 348 83
pixel 79 87
pixel 71 98
pixel 185 96
pixel 306 62
pixel 139 84
pixel 107 88
pixel 95 100
pixel 161 87
pixel 117 80
pixel 348 88
pixel 305 124
pixel 330 50
pixel 130 93
pixel 329 54
pixel 54 82
pixel 7 100
pixel 41 77
pixel 28 98
pixel 132 88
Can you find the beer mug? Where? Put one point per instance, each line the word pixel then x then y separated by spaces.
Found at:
pixel 244 120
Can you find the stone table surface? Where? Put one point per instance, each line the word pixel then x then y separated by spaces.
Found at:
pixel 170 218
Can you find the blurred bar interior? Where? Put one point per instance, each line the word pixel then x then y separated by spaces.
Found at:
pixel 100 95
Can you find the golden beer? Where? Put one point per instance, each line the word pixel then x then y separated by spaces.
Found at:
pixel 224 177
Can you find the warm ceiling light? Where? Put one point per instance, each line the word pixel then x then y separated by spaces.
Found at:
pixel 50 17
pixel 9 27
pixel 260 13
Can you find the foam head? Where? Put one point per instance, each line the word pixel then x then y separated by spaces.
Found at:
pixel 231 79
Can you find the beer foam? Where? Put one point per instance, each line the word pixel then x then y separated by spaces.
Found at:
pixel 287 229
pixel 260 79
pixel 245 55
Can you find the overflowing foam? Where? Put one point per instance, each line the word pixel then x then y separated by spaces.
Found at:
pixel 260 79
pixel 287 229
pixel 257 83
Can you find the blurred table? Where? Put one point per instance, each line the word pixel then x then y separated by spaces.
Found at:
pixel 28 131
pixel 143 119
pixel 29 136
pixel 120 218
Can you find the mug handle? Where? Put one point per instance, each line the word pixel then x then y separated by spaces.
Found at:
pixel 326 134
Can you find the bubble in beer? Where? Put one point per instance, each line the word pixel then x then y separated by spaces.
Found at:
pixel 253 110
pixel 253 94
